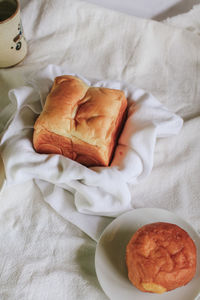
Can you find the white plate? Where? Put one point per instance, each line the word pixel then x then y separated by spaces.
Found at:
pixel 110 256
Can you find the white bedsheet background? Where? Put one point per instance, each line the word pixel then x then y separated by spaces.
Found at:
pixel 43 256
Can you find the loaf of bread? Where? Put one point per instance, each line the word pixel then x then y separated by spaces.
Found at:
pixel 80 122
pixel 160 257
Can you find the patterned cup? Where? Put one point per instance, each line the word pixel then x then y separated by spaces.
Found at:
pixel 13 46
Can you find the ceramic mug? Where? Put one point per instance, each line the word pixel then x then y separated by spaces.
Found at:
pixel 13 46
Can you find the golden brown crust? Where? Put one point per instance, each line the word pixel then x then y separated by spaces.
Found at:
pixel 49 142
pixel 79 122
pixel 160 257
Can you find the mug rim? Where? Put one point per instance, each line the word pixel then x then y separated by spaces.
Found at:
pixel 13 15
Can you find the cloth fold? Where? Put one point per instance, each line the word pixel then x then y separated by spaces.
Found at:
pixel 96 190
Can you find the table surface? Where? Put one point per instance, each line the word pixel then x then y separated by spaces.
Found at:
pixel 151 9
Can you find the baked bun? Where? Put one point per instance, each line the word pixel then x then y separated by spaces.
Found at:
pixel 160 257
pixel 80 122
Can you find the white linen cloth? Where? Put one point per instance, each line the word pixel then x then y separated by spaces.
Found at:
pixel 43 256
pixel 189 20
pixel 98 190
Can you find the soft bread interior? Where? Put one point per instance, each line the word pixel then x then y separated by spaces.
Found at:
pixel 153 287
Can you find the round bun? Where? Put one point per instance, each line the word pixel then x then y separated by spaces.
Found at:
pixel 160 257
